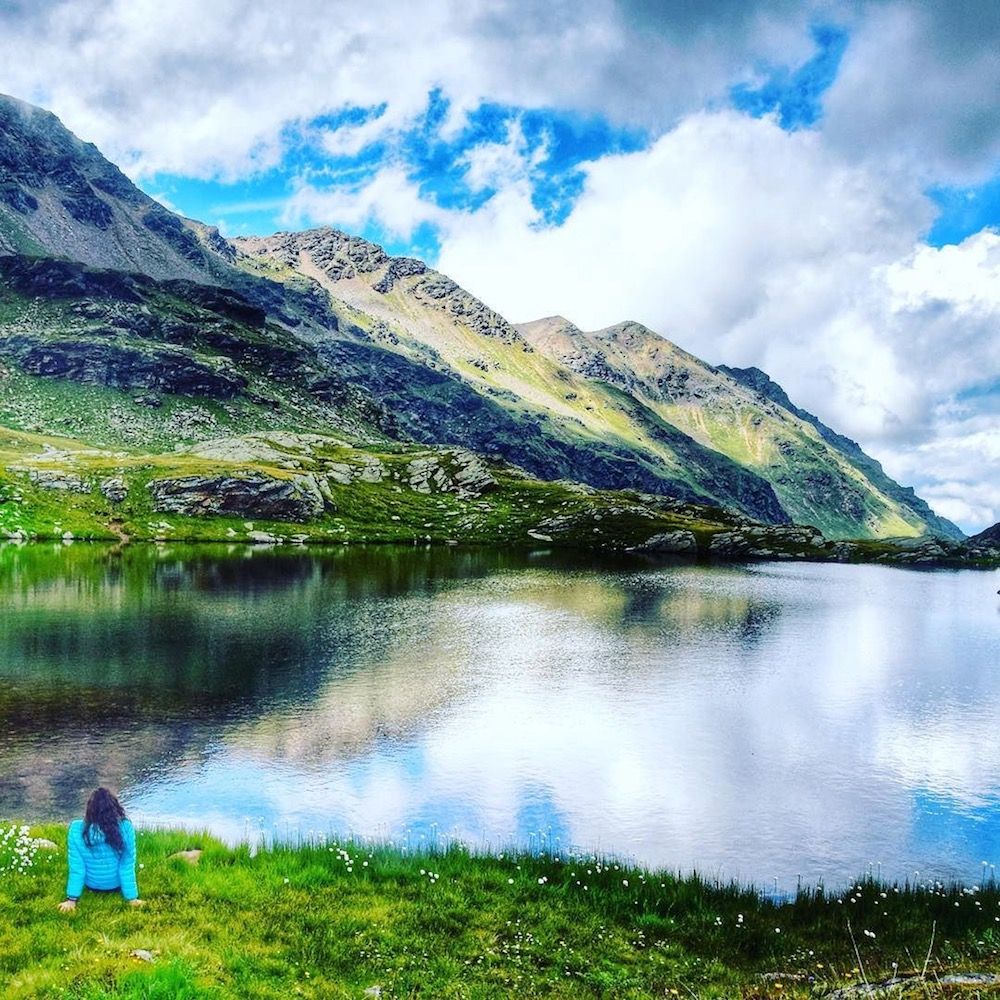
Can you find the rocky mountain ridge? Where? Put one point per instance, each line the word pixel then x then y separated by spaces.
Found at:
pixel 126 325
pixel 820 478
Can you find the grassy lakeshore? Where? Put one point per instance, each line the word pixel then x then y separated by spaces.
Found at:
pixel 325 919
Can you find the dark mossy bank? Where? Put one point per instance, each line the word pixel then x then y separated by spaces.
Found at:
pixel 325 919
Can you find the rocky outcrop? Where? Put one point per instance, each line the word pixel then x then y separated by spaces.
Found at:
pixel 766 542
pixel 987 541
pixel 63 279
pixel 460 472
pixel 111 364
pixel 440 290
pixel 57 479
pixel 399 267
pixel 114 489
pixel 337 255
pixel 253 495
pixel 680 542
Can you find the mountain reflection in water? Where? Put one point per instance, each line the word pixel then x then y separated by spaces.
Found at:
pixel 759 721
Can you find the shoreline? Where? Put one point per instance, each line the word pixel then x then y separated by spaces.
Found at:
pixel 869 553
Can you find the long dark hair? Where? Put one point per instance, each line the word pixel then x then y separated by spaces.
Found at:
pixel 105 812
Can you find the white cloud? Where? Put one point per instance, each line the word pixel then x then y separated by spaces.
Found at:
pixel 919 82
pixel 349 140
pixel 203 89
pixel 750 245
pixel 743 242
pixel 500 164
pixel 389 199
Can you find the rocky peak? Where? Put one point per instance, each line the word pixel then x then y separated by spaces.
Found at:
pixel 760 381
pixel 59 196
pixel 333 257
pixel 336 255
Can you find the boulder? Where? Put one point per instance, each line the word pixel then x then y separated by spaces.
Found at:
pixel 192 857
pixel 114 489
pixel 680 542
pixel 766 542
pixel 372 470
pixel 471 477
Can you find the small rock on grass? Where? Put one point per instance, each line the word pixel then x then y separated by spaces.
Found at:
pixel 191 857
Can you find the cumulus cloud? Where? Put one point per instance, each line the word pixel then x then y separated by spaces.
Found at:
pixel 209 89
pixel 746 243
pixel 389 200
pixel 919 82
pixel 751 245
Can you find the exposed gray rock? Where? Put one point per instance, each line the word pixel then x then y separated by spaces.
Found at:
pixel 56 479
pixel 262 538
pixel 988 540
pixel 339 472
pixel 114 489
pixel 679 542
pixel 457 471
pixel 399 267
pixel 372 470
pixel 471 476
pixel 898 985
pixel 448 295
pixel 192 857
pixel 107 363
pixel 426 474
pixel 766 542
pixel 251 495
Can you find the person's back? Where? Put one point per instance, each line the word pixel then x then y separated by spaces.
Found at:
pixel 98 865
pixel 101 852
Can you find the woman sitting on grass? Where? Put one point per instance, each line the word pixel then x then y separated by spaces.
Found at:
pixel 101 849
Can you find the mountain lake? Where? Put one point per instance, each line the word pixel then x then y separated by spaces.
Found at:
pixel 766 723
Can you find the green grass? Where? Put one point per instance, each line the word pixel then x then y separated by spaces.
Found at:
pixel 322 919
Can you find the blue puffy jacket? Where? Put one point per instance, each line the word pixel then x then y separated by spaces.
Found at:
pixel 98 865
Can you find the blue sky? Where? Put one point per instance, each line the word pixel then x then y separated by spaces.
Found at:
pixel 812 188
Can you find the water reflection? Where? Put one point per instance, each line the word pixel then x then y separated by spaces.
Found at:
pixel 754 722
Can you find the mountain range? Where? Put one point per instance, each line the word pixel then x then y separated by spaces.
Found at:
pixel 141 347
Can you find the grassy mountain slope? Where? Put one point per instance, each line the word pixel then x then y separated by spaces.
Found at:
pixel 817 477
pixel 172 410
pixel 166 410
pixel 589 432
pixel 755 379
pixel 164 335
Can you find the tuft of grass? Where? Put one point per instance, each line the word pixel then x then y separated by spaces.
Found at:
pixel 324 918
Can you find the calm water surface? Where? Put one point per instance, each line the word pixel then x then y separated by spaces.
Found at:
pixel 755 723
